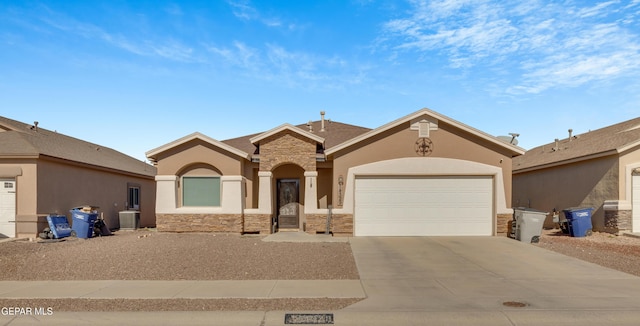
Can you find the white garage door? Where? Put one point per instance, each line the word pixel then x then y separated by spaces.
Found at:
pixel 635 208
pixel 424 206
pixel 7 208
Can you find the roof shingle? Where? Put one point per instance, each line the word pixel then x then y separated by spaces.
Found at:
pixel 20 139
pixel 617 137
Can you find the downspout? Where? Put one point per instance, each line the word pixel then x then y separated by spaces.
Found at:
pixel 329 213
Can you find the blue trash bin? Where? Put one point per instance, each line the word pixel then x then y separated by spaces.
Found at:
pixel 83 221
pixel 59 226
pixel 579 220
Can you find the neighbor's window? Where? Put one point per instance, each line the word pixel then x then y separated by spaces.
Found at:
pixel 201 191
pixel 134 197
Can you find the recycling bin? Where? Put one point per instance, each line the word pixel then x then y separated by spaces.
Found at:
pixel 59 226
pixel 82 226
pixel 579 221
pixel 529 224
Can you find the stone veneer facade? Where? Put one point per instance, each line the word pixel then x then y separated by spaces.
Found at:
pixel 341 224
pixel 226 223
pixel 260 223
pixel 287 147
pixel 617 220
pixel 502 226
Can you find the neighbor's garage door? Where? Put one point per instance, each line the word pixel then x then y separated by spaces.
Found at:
pixel 424 206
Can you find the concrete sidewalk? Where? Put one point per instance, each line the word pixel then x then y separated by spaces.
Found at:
pixel 268 289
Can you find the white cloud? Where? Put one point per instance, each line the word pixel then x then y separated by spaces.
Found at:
pixel 595 10
pixel 543 43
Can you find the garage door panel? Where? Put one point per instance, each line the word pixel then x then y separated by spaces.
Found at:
pixel 424 206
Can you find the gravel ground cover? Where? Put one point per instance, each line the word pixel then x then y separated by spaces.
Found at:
pixel 617 252
pixel 147 255
pixel 144 255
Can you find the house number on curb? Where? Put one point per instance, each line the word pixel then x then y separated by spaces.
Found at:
pixel 424 146
pixel 308 319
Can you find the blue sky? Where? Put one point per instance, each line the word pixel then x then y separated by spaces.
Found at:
pixel 136 75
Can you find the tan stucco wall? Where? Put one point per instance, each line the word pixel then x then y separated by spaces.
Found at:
pixel 586 183
pixel 399 142
pixel 174 160
pixel 62 186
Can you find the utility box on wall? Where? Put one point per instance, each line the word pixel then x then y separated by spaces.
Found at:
pixel 129 220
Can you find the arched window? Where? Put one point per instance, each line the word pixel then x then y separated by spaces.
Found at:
pixel 201 187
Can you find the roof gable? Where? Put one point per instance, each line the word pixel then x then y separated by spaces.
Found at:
pixel 431 118
pixel 611 140
pixel 196 135
pixel 286 127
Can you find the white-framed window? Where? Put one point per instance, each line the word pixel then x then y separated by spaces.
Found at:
pixel 201 191
pixel 133 197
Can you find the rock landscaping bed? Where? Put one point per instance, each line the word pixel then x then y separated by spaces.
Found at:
pixel 148 255
pixel 617 252
pixel 145 255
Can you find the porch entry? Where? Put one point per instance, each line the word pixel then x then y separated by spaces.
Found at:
pixel 288 203
pixel 7 208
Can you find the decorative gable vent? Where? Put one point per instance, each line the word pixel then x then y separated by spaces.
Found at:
pixel 424 127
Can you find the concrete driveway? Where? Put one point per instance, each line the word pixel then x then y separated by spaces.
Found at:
pixel 485 280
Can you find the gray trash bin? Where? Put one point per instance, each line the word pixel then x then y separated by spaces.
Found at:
pixel 529 224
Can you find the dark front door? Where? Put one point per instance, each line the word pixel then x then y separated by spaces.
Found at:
pixel 288 203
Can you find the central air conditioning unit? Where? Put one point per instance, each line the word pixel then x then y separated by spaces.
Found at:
pixel 129 220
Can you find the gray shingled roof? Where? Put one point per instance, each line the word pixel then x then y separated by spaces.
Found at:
pixel 610 139
pixel 22 139
pixel 335 133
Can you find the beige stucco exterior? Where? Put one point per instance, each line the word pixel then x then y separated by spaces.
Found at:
pixel 249 197
pixel 602 181
pixel 47 185
pixel 581 184
pixel 447 143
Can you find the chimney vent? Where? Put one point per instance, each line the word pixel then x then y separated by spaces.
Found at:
pixel 310 125
pixel 35 125
pixel 570 134
pixel 322 121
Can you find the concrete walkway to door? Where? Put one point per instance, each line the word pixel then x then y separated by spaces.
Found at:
pixel 486 281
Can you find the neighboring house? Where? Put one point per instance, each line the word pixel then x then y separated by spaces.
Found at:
pixel 423 174
pixel 598 169
pixel 44 172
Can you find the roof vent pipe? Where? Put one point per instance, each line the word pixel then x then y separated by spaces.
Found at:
pixel 557 147
pixel 322 121
pixel 570 134
pixel 310 125
pixel 35 125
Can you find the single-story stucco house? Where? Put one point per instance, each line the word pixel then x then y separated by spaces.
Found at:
pixel 43 172
pixel 423 174
pixel 598 169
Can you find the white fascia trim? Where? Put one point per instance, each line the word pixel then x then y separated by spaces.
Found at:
pixel 437 116
pixel 284 127
pixel 628 147
pixel 196 135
